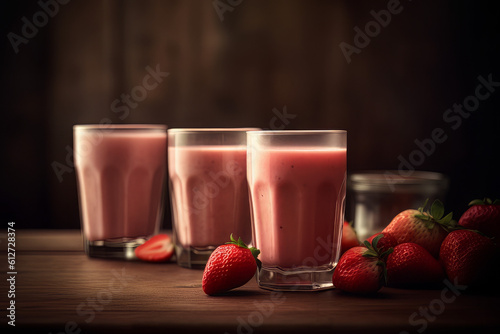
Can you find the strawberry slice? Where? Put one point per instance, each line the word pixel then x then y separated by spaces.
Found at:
pixel 157 249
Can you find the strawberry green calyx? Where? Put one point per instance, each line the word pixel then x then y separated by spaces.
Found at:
pixel 436 216
pixel 374 251
pixel 240 243
pixel 484 201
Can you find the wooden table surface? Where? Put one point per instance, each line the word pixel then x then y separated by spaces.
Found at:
pixel 58 289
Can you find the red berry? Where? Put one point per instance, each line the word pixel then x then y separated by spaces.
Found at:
pixel 427 229
pixel 466 257
pixel 349 238
pixel 387 241
pixel 157 249
pixel 229 266
pixel 412 266
pixel 356 273
pixel 361 269
pixel 483 216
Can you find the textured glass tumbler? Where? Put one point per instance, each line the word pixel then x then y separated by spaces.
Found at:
pixel 208 191
pixel 297 183
pixel 121 174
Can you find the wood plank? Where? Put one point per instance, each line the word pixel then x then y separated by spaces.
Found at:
pixel 69 240
pixel 54 290
pixel 46 240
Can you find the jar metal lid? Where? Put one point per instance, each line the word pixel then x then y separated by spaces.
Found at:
pixel 392 181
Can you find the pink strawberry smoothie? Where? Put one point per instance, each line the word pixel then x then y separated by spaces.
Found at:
pixel 294 192
pixel 121 177
pixel 209 194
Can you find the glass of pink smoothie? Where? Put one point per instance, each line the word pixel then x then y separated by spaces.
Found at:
pixel 208 191
pixel 121 174
pixel 297 183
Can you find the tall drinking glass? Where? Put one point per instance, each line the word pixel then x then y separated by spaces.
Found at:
pixel 121 173
pixel 297 183
pixel 208 191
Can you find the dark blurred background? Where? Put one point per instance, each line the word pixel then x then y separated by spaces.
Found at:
pixel 235 63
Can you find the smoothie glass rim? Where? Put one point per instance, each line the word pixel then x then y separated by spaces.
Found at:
pixel 119 127
pixel 211 130
pixel 296 132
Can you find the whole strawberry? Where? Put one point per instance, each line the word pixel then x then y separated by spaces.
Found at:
pixel 349 238
pixel 412 266
pixel 386 242
pixel 484 216
pixel 467 257
pixel 361 269
pixel 229 266
pixel 427 229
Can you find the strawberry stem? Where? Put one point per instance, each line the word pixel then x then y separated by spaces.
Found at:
pixel 436 216
pixel 484 201
pixel 374 251
pixel 255 252
pixel 421 209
